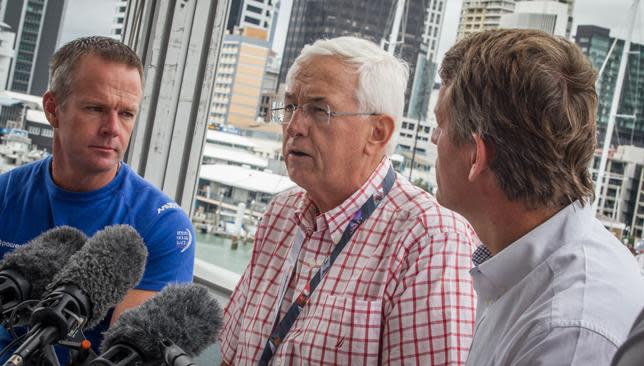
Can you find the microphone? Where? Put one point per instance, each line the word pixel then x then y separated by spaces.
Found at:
pixel 176 324
pixel 80 295
pixel 26 271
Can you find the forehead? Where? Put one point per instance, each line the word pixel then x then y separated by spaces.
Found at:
pixel 324 76
pixel 95 74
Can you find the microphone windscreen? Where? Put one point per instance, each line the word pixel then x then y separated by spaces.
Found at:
pixel 111 262
pixel 41 258
pixel 185 314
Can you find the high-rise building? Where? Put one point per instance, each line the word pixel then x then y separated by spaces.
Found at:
pixel 621 201
pixel 548 16
pixel 37 24
pixel 119 19
pixel 6 52
pixel 422 81
pixel 238 82
pixel 595 42
pixel 260 14
pixel 479 15
pixel 371 19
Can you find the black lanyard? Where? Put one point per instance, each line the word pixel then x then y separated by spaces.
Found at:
pixel 358 218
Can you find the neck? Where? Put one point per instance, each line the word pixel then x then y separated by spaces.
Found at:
pixel 74 181
pixel 328 198
pixel 500 225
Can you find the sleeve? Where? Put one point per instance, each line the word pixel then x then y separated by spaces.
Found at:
pixel 431 320
pixel 171 245
pixel 566 345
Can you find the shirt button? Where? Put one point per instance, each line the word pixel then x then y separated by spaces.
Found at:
pixel 278 362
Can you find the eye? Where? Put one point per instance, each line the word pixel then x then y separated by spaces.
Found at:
pixel 127 114
pixel 318 109
pixel 94 108
pixel 290 108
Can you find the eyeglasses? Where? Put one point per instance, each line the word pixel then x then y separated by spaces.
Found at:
pixel 319 113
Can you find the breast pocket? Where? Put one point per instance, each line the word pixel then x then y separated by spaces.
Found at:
pixel 337 331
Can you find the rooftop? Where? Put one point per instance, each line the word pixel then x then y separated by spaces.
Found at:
pixel 234 155
pixel 247 179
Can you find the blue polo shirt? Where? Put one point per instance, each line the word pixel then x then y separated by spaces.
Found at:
pixel 31 203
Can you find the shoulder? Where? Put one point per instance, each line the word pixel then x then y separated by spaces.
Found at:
pixel 19 183
pixel 23 174
pixel 410 204
pixel 156 201
pixel 284 204
pixel 589 271
pixel 150 207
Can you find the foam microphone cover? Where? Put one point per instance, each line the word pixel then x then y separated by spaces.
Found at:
pixel 111 262
pixel 41 258
pixel 185 314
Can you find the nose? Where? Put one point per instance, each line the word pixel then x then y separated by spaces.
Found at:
pixel 298 126
pixel 111 124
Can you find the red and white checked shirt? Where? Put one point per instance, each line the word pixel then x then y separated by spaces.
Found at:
pixel 399 293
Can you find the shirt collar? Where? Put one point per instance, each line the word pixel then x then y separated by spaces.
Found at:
pixel 494 275
pixel 336 219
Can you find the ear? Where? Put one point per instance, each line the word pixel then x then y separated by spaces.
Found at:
pixel 382 130
pixel 51 107
pixel 480 157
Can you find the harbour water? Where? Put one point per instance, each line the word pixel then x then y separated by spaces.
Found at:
pixel 218 251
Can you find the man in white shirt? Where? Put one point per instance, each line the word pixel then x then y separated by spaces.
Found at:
pixel 516 133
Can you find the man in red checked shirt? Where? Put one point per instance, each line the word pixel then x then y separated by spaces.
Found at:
pixel 358 266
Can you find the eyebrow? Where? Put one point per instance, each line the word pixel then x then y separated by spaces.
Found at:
pixel 306 99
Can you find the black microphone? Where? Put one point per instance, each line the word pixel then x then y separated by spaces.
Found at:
pixel 178 323
pixel 26 271
pixel 96 278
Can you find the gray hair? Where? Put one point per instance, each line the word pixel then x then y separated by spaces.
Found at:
pixel 63 63
pixel 382 77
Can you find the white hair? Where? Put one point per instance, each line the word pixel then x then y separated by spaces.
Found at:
pixel 382 78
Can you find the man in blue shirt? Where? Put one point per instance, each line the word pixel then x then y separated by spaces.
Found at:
pixel 94 96
pixel 515 137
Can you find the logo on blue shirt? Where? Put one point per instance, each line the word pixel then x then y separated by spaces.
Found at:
pixel 167 206
pixel 184 239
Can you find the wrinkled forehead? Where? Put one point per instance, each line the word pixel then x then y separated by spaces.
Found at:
pixel 323 75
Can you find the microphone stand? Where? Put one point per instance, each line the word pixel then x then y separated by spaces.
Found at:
pixel 174 355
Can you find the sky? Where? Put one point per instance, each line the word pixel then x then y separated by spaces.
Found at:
pixel 85 17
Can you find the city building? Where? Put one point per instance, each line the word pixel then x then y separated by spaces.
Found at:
pixel 270 84
pixel 13 107
pixel 373 20
pixel 225 191
pixel 119 19
pixel 621 202
pixel 37 24
pixel 426 68
pixel 40 131
pixel 261 14
pixel 596 42
pixel 7 38
pixel 237 92
pixel 479 15
pixel 548 16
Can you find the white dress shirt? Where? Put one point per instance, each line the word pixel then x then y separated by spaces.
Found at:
pixel 566 293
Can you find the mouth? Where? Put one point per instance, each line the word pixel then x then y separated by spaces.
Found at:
pixel 103 148
pixel 297 153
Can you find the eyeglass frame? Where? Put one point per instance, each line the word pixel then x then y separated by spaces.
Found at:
pixel 329 113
